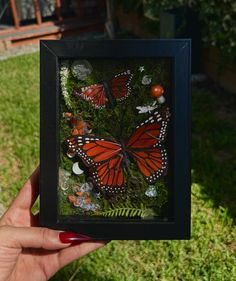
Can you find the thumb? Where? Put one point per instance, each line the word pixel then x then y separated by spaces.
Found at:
pixel 31 237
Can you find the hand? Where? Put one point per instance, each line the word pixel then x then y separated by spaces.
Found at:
pixel 28 252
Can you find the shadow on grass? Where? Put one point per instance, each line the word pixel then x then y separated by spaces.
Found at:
pixel 213 145
pixel 83 274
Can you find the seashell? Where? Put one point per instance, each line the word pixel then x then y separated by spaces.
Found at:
pixel 146 80
pixel 76 169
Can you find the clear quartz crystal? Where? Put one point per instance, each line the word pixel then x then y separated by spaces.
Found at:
pixel 86 187
pixel 161 99
pixel 151 191
pixel 81 69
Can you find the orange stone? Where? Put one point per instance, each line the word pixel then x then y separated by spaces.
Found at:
pixel 68 114
pixel 157 91
pixel 79 127
pixel 72 198
pixel 88 200
pixel 75 132
pixel 79 193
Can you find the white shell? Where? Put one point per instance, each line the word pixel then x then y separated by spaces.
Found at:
pixel 146 80
pixel 161 99
pixel 76 169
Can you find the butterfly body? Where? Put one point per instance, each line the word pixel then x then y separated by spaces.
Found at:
pixel 126 155
pixel 108 159
pixel 111 100
pixel 107 93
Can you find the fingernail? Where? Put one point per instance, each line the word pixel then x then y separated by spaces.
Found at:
pixel 71 237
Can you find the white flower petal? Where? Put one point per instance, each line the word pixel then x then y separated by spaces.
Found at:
pixel 145 109
pixel 141 68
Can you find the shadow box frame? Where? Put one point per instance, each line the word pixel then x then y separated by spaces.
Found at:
pixel 179 52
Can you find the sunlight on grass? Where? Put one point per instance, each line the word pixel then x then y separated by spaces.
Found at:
pixel 209 255
pixel 19 119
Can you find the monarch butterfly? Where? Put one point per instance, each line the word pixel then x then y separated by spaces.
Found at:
pixel 107 159
pixel 107 92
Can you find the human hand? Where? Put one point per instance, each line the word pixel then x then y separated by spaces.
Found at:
pixel 28 252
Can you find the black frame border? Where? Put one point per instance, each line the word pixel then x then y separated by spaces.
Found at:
pixel 179 50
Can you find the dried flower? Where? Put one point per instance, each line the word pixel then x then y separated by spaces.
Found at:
pixel 83 198
pixel 145 109
pixel 141 68
pixel 63 179
pixel 64 74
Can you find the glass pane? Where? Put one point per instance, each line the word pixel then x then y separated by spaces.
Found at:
pixel 115 142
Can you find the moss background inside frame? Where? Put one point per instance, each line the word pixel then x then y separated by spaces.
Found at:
pixel 78 192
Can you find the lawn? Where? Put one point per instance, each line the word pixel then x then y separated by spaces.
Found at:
pixel 209 255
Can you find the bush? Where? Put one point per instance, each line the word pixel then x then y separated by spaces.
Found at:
pixel 218 19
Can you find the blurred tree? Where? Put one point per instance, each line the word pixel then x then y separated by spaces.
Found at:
pixel 218 19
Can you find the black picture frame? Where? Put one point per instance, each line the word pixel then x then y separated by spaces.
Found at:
pixel 179 51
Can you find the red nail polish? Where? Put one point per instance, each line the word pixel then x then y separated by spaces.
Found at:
pixel 71 237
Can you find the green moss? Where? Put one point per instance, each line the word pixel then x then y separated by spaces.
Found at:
pixel 116 123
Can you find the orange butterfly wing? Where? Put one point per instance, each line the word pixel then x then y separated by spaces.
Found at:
pixel 145 146
pixel 104 159
pixel 120 85
pixel 94 93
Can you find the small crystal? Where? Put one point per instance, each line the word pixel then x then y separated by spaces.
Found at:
pixel 151 191
pixel 86 187
pixel 97 195
pixel 161 99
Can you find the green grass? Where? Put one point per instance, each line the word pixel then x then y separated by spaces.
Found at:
pixel 209 255
pixel 19 121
